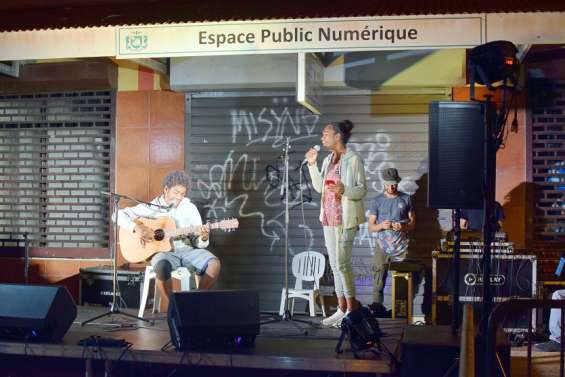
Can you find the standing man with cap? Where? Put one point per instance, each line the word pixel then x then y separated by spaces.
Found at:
pixel 391 216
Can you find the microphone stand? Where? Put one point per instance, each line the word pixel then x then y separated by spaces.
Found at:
pixel 286 316
pixel 26 258
pixel 114 307
pixel 120 196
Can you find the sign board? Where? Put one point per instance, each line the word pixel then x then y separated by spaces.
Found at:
pixel 309 82
pixel 284 36
pixel 310 35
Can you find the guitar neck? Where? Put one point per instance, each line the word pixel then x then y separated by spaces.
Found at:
pixel 189 230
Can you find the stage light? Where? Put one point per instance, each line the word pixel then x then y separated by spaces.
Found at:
pixel 492 62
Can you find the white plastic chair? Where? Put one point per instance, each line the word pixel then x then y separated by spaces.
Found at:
pixel 181 273
pixel 306 266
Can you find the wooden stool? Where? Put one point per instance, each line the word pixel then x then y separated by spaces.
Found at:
pixel 402 288
pixel 402 295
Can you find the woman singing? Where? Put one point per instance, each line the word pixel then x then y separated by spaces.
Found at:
pixel 342 185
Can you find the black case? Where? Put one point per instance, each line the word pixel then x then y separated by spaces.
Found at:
pixel 96 286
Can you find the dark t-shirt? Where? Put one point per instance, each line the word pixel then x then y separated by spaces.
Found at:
pixel 474 217
pixel 392 209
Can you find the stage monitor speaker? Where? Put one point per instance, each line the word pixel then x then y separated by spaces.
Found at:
pixel 456 154
pixel 35 312
pixel 212 319
pixel 433 351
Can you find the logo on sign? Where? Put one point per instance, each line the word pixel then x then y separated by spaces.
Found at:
pixel 471 279
pixel 136 41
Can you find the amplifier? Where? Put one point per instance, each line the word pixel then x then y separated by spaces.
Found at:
pixel 96 286
pixel 511 275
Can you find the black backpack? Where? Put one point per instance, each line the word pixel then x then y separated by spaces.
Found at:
pixel 362 330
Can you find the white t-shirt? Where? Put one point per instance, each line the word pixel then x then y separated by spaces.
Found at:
pixel 184 215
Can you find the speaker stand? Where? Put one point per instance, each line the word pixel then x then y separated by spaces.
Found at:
pixel 456 217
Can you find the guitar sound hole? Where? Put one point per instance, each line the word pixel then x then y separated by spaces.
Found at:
pixel 159 235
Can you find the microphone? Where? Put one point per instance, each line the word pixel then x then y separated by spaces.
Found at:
pixel 317 148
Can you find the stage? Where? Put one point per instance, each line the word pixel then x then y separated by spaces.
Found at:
pixel 281 348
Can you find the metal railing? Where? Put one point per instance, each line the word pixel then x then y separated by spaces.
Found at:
pixel 467 350
pixel 514 306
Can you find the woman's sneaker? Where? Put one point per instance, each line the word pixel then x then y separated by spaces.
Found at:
pixel 337 325
pixel 334 318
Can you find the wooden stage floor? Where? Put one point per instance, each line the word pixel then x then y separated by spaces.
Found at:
pixel 283 346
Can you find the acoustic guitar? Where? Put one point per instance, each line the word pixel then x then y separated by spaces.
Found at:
pixel 135 250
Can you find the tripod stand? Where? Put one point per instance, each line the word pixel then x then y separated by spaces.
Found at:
pixel 287 315
pixel 114 307
pixel 26 258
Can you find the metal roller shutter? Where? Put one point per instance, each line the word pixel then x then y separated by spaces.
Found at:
pixel 55 153
pixel 234 143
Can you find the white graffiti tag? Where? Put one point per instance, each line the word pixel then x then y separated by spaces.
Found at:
pixel 232 187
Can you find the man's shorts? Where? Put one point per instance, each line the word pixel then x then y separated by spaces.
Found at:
pixel 196 260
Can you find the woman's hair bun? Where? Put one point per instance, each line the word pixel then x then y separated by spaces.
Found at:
pixel 348 125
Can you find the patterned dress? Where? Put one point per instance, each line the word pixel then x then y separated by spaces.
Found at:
pixel 332 201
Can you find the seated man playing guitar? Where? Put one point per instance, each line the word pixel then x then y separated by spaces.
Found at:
pixel 189 252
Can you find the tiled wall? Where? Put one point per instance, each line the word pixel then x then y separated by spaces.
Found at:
pixel 83 75
pixel 47 271
pixel 149 141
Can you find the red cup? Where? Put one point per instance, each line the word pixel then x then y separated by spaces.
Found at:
pixel 330 182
